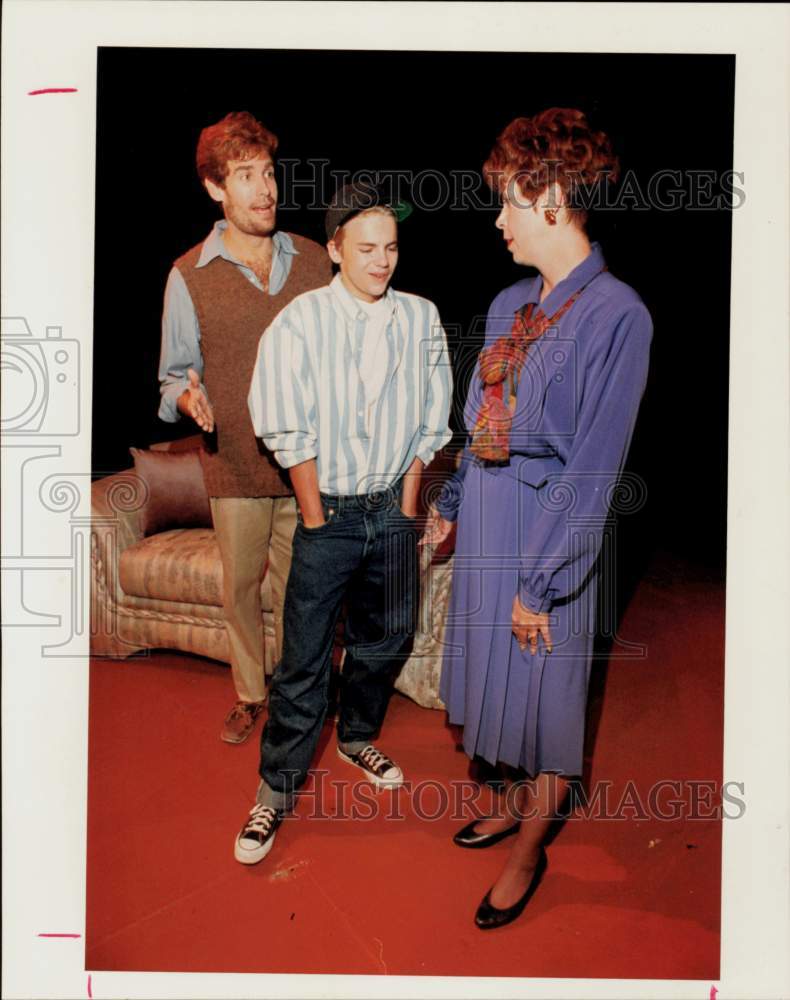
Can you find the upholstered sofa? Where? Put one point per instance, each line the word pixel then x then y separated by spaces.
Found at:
pixel 163 588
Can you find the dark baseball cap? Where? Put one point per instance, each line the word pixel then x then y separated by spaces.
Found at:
pixel 351 199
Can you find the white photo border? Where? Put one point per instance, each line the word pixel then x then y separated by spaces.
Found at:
pixel 48 185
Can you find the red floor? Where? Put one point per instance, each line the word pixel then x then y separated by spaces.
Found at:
pixel 622 898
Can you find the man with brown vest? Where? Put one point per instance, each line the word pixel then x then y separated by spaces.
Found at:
pixel 220 297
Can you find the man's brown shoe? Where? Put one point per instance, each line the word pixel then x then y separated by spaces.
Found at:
pixel 241 721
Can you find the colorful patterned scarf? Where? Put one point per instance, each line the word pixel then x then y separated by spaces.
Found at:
pixel 500 370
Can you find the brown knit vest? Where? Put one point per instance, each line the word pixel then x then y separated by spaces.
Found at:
pixel 233 314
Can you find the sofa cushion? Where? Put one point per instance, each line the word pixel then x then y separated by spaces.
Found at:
pixel 181 565
pixel 177 495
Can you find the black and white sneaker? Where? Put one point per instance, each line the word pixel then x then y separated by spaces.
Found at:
pixel 257 835
pixel 377 766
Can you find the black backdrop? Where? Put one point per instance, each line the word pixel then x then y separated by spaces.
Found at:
pixel 427 111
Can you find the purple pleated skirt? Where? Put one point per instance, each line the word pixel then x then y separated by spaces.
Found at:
pixel 523 710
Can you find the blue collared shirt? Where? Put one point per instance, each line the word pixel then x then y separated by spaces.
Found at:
pixel 180 327
pixel 308 400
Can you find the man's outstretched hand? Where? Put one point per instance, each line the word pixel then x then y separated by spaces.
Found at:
pixel 193 403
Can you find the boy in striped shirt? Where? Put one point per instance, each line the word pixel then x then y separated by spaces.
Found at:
pixel 351 391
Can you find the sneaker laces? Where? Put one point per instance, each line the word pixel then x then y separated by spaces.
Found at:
pixel 375 758
pixel 261 820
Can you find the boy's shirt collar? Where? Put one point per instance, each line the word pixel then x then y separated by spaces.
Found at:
pixel 350 306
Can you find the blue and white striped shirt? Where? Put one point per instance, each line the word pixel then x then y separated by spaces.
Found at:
pixel 307 399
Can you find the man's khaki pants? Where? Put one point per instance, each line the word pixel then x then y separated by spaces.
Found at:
pixel 250 532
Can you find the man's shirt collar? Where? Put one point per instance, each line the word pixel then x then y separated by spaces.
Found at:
pixel 214 246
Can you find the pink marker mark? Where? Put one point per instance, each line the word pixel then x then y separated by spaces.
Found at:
pixel 90 991
pixel 713 992
pixel 60 935
pixel 52 90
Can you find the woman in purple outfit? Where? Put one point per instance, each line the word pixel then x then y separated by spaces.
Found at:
pixel 550 412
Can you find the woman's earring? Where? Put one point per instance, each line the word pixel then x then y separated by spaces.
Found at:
pixel 551 216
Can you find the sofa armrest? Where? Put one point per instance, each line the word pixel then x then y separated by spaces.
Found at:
pixel 116 506
pixel 117 501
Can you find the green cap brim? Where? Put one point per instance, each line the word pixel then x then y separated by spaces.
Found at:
pixel 402 210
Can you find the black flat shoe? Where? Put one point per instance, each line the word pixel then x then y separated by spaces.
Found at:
pixel 468 838
pixel 488 917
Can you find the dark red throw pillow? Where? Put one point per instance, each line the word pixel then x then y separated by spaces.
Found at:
pixel 177 495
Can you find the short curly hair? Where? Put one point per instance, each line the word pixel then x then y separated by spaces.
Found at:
pixel 238 136
pixel 556 145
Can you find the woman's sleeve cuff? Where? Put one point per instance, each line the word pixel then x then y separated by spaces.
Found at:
pixel 538 604
pixel 448 502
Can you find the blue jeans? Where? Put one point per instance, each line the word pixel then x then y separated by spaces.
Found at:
pixel 365 552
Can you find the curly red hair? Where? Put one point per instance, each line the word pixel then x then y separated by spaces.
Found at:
pixel 238 136
pixel 556 145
